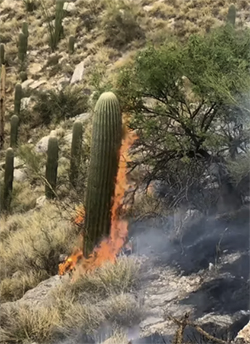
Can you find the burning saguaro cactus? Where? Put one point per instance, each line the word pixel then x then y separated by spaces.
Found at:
pixel 75 158
pixel 231 15
pixel 104 160
pixel 17 98
pixel 8 179
pixel 14 124
pixel 51 167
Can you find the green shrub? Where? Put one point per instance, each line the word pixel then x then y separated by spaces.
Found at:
pixel 54 106
pixel 120 24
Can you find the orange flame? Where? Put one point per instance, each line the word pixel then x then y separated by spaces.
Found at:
pixel 109 247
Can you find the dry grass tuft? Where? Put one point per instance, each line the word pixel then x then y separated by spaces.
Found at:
pixel 31 245
pixel 24 323
pixel 120 277
pixel 123 309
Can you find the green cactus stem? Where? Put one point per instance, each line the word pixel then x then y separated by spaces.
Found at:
pixel 2 53
pixel 104 161
pixel 25 28
pixel 14 125
pixel 8 179
pixel 51 168
pixel 23 76
pixel 76 147
pixel 71 44
pixel 22 46
pixel 231 15
pixel 18 98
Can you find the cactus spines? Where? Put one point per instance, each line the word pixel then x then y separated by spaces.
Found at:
pixel 75 158
pixel 2 53
pixel 22 46
pixel 71 44
pixel 8 179
pixel 51 168
pixel 231 15
pixel 18 98
pixel 104 160
pixel 14 124
pixel 25 28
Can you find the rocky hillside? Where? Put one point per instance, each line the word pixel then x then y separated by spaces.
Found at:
pixel 187 269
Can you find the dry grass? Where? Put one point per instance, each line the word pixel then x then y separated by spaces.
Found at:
pixel 70 313
pixel 31 244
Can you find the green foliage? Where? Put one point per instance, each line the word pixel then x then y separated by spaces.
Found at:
pixel 8 180
pixel 2 52
pixel 22 47
pixel 14 124
pixel 104 158
pixel 71 44
pixel 240 168
pixel 179 95
pixel 75 158
pixel 54 106
pixel 17 98
pixel 120 23
pixel 231 15
pixel 51 168
pixel 30 5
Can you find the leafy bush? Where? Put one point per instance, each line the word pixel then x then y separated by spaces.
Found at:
pixel 56 105
pixel 120 24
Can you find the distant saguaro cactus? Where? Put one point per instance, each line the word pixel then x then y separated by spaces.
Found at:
pixel 75 158
pixel 2 54
pixel 22 46
pixel 18 98
pixel 71 44
pixel 14 124
pixel 231 15
pixel 104 160
pixel 51 167
pixel 23 76
pixel 25 28
pixel 2 105
pixel 56 31
pixel 8 179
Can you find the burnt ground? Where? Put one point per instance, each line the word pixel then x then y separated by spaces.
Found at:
pixel 223 289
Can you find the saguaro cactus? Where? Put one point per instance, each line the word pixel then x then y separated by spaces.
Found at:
pixel 76 147
pixel 2 105
pixel 22 46
pixel 25 28
pixel 51 167
pixel 104 160
pixel 14 124
pixel 231 15
pixel 71 44
pixel 56 31
pixel 18 98
pixel 2 53
pixel 8 179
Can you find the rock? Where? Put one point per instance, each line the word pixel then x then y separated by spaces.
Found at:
pixel 20 175
pixel 151 320
pixel 244 335
pixel 35 68
pixel 40 201
pixel 37 84
pixel 69 7
pixel 18 162
pixel 27 83
pixel 25 102
pixel 42 145
pixel 83 117
pixel 78 73
pixel 159 300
